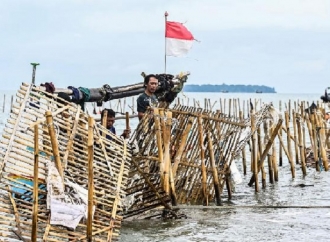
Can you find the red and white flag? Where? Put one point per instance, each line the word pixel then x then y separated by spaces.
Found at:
pixel 179 40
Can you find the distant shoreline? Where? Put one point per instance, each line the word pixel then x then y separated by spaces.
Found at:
pixel 224 88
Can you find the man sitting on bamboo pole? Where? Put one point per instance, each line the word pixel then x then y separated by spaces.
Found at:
pixel 148 98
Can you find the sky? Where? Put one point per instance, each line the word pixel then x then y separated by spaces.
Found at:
pixel 283 44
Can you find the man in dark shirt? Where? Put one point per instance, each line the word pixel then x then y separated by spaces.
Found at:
pixel 148 98
pixel 110 121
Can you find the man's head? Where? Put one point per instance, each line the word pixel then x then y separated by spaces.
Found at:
pixel 110 117
pixel 150 84
pixel 327 116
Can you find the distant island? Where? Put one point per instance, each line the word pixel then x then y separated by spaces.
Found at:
pixel 228 88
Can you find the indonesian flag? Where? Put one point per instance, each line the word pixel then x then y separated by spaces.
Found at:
pixel 179 40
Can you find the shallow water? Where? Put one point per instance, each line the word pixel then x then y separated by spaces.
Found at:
pixel 251 224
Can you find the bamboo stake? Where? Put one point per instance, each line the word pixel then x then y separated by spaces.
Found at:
pixel 254 153
pixel 214 170
pixel 315 148
pixel 73 133
pixel 322 138
pixel 90 146
pixel 56 154
pixel 243 150
pixel 274 158
pixel 270 167
pixel 267 148
pixel 280 150
pixel 301 149
pixel 295 136
pixel 159 141
pixel 167 140
pixel 202 157
pixel 293 172
pixel 35 185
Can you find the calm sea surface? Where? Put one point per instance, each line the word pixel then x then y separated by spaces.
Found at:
pixel 311 223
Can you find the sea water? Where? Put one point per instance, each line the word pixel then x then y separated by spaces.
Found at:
pixel 301 214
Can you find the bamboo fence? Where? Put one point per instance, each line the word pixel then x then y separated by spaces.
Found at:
pixel 43 130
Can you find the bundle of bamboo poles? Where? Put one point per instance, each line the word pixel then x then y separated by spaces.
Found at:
pixel 185 154
pixel 43 129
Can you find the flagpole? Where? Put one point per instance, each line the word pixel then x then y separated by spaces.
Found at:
pixel 166 14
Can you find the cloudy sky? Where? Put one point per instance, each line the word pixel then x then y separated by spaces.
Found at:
pixel 278 43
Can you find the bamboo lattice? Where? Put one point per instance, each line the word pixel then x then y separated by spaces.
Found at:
pixel 110 168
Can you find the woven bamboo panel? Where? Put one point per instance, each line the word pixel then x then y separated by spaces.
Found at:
pixel 17 167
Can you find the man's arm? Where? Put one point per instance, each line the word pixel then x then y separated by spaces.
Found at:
pixel 141 108
pixel 140 115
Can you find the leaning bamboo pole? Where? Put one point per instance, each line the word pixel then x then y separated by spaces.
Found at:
pixel 183 144
pixel 51 130
pixel 214 170
pixel 267 148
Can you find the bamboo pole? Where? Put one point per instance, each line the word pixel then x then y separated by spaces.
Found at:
pixel 159 141
pixel 270 166
pixel 296 149
pixel 214 170
pixel 301 148
pixel 259 148
pixel 35 185
pixel 202 157
pixel 254 154
pixel 167 140
pixel 90 146
pixel 274 158
pixel 243 150
pixel 321 139
pixel 280 150
pixel 267 148
pixel 54 142
pixel 293 172
pixel 315 147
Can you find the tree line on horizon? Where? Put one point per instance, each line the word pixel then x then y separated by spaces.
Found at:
pixel 228 88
